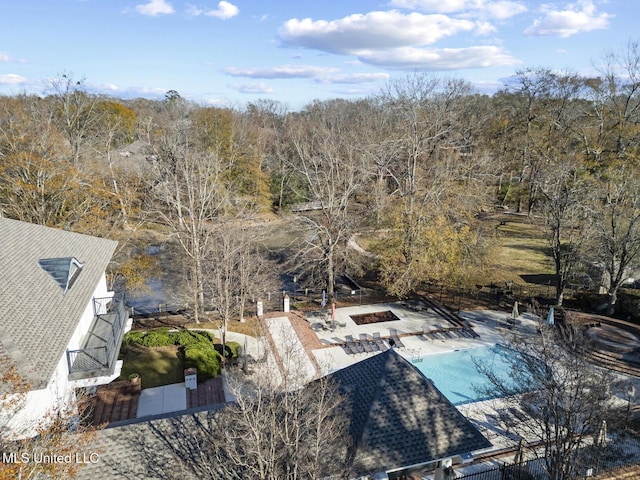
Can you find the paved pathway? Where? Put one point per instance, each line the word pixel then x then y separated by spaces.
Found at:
pixel 294 358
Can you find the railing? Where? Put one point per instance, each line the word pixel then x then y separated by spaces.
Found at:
pixel 622 450
pixel 102 342
pixel 101 305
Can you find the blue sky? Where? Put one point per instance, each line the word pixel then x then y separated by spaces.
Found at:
pixel 237 51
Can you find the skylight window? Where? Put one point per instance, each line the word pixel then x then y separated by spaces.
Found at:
pixel 63 270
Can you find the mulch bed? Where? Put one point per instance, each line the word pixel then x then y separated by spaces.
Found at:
pixel 168 321
pixel 374 317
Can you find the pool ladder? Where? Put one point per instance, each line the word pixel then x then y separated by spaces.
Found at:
pixel 416 356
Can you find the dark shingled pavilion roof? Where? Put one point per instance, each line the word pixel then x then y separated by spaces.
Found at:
pixel 41 307
pixel 399 418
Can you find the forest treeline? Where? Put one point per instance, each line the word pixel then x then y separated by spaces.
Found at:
pixel 415 167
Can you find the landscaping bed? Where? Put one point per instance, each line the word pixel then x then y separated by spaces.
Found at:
pixel 160 356
pixel 156 366
pixel 374 317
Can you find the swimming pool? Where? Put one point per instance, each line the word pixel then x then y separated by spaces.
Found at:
pixel 455 373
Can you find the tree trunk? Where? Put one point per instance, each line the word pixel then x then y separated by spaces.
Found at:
pixel 330 275
pixel 613 298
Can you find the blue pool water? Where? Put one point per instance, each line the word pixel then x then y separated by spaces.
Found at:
pixel 455 373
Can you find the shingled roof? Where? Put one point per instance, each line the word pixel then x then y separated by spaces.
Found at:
pixel 399 418
pixel 47 279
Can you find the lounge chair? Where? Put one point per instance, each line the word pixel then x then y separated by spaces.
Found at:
pixel 426 333
pixel 378 341
pixel 396 340
pixel 354 346
pixel 364 341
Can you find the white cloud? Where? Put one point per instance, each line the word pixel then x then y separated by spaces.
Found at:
pixel 320 74
pixel 155 7
pixel 374 30
pixel 485 28
pixel 576 18
pixel 12 79
pixel 355 78
pixel 442 6
pixel 282 71
pixel 438 59
pixel 224 11
pixel 251 88
pixel 6 58
pixel 497 9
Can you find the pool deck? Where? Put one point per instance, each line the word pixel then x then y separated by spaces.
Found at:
pixel 409 327
pixel 322 341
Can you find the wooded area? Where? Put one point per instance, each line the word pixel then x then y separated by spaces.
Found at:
pixel 415 169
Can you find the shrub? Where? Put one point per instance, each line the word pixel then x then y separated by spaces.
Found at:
pixel 203 357
pixel 231 350
pixel 130 338
pixel 157 338
pixel 191 337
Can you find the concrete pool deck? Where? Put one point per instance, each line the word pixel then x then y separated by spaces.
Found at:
pixel 409 327
pixel 323 345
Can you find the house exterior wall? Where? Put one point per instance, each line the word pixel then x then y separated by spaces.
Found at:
pixel 59 394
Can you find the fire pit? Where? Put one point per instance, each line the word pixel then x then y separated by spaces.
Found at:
pixel 374 317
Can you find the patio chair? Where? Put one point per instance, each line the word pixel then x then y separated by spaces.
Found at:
pixel 379 342
pixel 426 333
pixel 364 341
pixel 353 345
pixel 372 343
pixel 393 334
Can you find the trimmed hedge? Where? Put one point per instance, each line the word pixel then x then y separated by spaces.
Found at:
pixel 157 338
pixel 163 338
pixel 203 357
pixel 190 337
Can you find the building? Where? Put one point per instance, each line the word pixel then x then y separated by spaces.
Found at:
pixel 399 421
pixel 60 326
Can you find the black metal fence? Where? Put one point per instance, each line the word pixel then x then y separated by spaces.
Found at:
pixel 622 450
pixel 529 470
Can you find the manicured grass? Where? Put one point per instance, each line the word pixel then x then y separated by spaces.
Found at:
pixel 521 249
pixel 156 366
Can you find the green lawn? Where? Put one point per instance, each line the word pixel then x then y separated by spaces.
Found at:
pixel 521 249
pixel 156 366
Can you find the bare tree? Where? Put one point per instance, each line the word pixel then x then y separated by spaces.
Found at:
pixel 332 170
pixel 614 111
pixel 616 216
pixel 192 189
pixel 75 111
pixel 277 428
pixel 563 398
pixel 234 271
pixel 563 193
pixel 431 236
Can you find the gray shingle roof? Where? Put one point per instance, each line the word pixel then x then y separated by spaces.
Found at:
pixel 37 317
pixel 163 447
pixel 399 418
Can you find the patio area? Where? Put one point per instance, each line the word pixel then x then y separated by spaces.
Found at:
pixel 418 330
